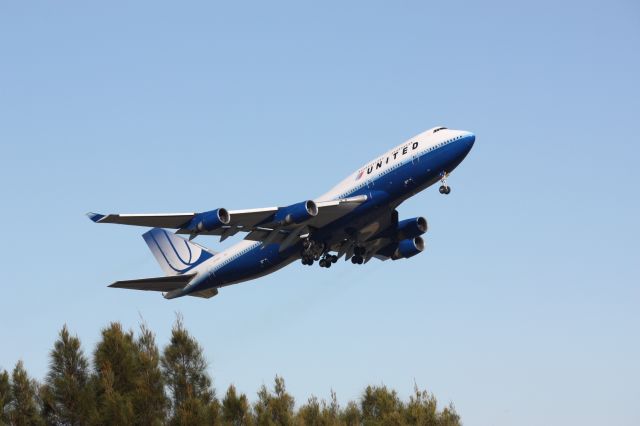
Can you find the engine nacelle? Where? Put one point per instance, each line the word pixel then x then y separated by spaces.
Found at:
pixel 408 248
pixel 296 213
pixel 411 228
pixel 209 221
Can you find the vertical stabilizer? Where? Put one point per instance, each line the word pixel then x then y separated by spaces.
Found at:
pixel 175 254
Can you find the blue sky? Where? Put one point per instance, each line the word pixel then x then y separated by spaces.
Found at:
pixel 522 310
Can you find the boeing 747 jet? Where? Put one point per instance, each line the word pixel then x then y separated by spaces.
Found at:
pixel 356 220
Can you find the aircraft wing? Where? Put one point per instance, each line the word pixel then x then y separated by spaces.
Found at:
pixel 239 220
pixel 258 223
pixel 161 220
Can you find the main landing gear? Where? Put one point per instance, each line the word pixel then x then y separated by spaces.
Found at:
pixel 357 258
pixel 311 251
pixel 328 260
pixel 314 250
pixel 444 188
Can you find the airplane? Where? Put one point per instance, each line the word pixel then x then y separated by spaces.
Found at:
pixel 356 220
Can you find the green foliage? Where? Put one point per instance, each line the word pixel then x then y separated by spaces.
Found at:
pixel 149 400
pixel 274 408
pixel 67 394
pixel 351 415
pixel 449 417
pixel 5 397
pixel 115 407
pixel 310 413
pixel 116 365
pixel 380 406
pixel 130 382
pixel 23 407
pixel 185 370
pixel 236 410
pixel 319 413
pixel 422 408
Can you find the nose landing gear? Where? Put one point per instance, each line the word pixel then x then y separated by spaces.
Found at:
pixel 444 188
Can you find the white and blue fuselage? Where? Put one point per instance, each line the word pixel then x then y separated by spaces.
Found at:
pixel 356 219
pixel 386 182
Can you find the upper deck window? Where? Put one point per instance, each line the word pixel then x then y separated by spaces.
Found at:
pixel 439 128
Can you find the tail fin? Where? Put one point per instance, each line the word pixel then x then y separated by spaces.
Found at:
pixel 175 255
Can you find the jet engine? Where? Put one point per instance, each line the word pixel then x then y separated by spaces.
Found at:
pixel 296 213
pixel 411 228
pixel 408 248
pixel 209 221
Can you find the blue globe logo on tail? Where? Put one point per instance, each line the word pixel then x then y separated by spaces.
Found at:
pixel 175 255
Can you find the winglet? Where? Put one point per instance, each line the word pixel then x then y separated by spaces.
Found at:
pixel 96 217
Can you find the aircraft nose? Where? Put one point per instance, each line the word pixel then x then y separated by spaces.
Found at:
pixel 470 139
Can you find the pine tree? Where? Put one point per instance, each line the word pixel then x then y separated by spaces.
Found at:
pixel 351 416
pixel 310 414
pixel 422 408
pixel 449 417
pixel 115 408
pixel 23 409
pixel 381 406
pixel 319 413
pixel 235 408
pixel 185 370
pixel 276 408
pixel 5 397
pixel 67 395
pixel 149 399
pixel 116 364
pixel 331 413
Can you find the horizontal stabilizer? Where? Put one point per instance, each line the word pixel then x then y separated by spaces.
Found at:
pixel 164 284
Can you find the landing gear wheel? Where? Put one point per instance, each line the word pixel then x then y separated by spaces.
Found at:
pixel 334 259
pixel 323 263
pixel 444 188
pixel 357 260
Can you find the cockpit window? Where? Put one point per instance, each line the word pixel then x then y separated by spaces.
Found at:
pixel 439 128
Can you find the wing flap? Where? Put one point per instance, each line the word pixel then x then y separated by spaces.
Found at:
pixel 329 211
pixel 249 218
pixel 267 235
pixel 163 284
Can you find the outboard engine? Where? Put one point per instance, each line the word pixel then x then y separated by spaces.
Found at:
pixel 209 221
pixel 408 248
